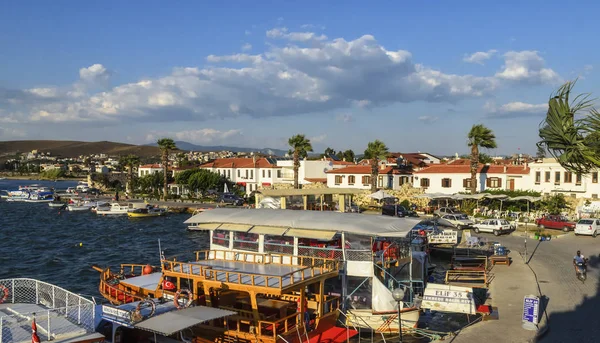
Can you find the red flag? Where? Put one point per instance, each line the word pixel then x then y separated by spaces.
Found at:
pixel 34 337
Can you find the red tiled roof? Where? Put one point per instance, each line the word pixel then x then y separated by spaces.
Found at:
pixel 150 166
pixel 366 170
pixel 342 163
pixel 466 169
pixel 316 180
pixel 460 162
pixel 238 163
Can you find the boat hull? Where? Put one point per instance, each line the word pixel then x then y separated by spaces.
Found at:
pixel 78 208
pixel 144 215
pixel 110 213
pixel 383 323
pixel 56 204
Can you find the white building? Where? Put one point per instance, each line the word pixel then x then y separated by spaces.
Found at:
pixel 360 177
pixel 101 169
pixel 451 179
pixel 549 177
pixel 148 169
pixel 310 171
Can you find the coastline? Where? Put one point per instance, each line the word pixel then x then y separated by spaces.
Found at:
pixel 38 178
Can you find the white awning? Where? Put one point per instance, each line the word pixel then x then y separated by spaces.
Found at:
pixel 175 321
pixel 207 226
pixel 268 230
pixel 314 234
pixel 235 227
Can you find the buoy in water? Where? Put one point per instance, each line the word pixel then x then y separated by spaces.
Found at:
pixel 147 269
pixel 80 244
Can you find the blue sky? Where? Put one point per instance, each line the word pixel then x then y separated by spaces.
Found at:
pixel 416 76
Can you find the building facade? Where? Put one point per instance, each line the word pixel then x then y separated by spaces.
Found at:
pixel 549 177
pixel 148 169
pixel 359 177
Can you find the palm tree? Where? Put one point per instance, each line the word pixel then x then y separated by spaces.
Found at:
pixel 300 147
pixel 129 162
pixel 572 140
pixel 479 136
pixel 376 150
pixel 166 145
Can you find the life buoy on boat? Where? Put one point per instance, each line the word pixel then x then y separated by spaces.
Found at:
pixel 136 315
pixel 5 293
pixel 187 303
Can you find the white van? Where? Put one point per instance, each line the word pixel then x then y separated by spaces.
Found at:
pixel 587 226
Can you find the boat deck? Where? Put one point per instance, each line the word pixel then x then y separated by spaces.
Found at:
pixel 147 282
pixel 16 320
pixel 249 274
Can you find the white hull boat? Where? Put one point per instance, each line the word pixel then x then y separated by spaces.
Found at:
pixel 115 209
pixel 56 204
pixel 85 206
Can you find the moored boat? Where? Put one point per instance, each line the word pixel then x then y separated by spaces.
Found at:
pixel 113 209
pixel 86 205
pixel 148 211
pixel 194 227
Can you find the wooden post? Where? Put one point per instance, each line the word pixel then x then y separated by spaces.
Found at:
pixel 207 295
pixel 321 301
pixel 255 313
pixel 302 308
pixel 305 201
pixel 283 204
pixel 321 202
pixel 342 202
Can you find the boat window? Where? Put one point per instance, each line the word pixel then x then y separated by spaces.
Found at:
pixel 221 237
pixel 279 244
pixel 245 241
pixel 360 298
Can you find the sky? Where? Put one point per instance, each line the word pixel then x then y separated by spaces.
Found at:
pixel 254 73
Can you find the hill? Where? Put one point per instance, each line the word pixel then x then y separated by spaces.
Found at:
pixel 193 147
pixel 76 148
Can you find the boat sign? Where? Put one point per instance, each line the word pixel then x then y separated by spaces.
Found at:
pixel 447 298
pixel 115 313
pixel 531 309
pixel 446 236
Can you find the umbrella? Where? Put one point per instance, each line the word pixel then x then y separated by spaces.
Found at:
pixel 225 188
pixel 380 195
pixel 527 198
pixel 500 197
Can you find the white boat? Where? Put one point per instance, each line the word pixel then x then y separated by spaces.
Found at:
pixel 377 252
pixel 114 208
pixel 83 206
pixel 56 204
pixel 40 197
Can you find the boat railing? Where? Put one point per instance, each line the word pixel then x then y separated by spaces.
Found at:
pixel 263 327
pixel 264 258
pixel 109 289
pixel 58 313
pixel 328 252
pixel 359 255
pixel 133 269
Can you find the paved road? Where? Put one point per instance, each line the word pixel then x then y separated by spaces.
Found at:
pixel 573 306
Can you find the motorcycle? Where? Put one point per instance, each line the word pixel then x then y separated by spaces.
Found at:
pixel 581 269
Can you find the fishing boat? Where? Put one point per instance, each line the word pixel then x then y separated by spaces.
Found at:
pixel 86 205
pixel 226 297
pixel 34 311
pixel 40 197
pixel 378 253
pixel 146 212
pixel 113 208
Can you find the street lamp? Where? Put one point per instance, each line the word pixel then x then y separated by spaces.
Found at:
pixel 526 220
pixel 398 295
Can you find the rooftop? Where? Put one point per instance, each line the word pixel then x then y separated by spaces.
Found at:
pixel 466 169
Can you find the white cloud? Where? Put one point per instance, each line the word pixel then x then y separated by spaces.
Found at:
pixel 345 117
pixel 318 139
pixel 428 119
pixel 201 136
pixel 514 109
pixel 247 32
pixel 246 47
pixel 294 36
pixel 286 80
pixel 312 27
pixel 11 133
pixel 527 67
pixel 479 57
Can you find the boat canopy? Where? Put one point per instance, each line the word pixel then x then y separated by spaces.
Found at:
pixel 309 223
pixel 175 321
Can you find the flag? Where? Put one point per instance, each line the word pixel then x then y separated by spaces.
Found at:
pixel 34 337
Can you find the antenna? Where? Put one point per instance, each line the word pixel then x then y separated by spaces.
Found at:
pixel 160 255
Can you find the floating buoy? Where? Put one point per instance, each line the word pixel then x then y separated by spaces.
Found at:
pixel 80 244
pixel 147 269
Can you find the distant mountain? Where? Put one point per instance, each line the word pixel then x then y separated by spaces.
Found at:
pixel 193 147
pixel 76 148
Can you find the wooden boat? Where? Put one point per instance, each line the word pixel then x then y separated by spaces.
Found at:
pixel 146 212
pixel 246 297
pixel 114 208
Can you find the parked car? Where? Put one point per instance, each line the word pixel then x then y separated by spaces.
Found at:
pixel 459 221
pixel 587 226
pixel 446 210
pixel 555 222
pixel 353 208
pixel 397 211
pixel 230 198
pixel 495 226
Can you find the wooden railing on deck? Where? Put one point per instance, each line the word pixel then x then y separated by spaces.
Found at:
pixel 112 292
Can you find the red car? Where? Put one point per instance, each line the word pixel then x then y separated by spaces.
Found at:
pixel 555 222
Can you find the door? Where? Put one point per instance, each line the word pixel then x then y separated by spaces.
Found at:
pixel 511 184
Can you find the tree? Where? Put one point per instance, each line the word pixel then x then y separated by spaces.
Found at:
pixel 329 152
pixel 129 162
pixel 348 155
pixel 300 147
pixel 541 153
pixel 203 180
pixel 479 136
pixel 165 145
pixel 376 150
pixel 555 204
pixel 485 158
pixel 182 160
pixel 569 137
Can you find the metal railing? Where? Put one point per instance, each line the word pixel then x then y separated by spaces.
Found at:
pixel 359 255
pixel 59 314
pixel 333 253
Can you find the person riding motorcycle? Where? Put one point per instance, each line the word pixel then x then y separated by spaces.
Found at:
pixel 579 258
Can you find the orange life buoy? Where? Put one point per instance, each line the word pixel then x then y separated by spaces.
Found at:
pixel 187 303
pixel 5 293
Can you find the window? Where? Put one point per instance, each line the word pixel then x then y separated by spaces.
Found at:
pixel 568 177
pixel 380 181
pixel 351 179
pixel 263 173
pixel 338 179
pixel 221 237
pixel 493 182
pixel 446 183
pixel 538 177
pixel 547 177
pixel 245 241
pixel 229 174
pixel 595 177
pixel 573 195
pixel 578 179
pixel 279 173
pixel 239 173
pixel 557 178
pixel 366 180
pixel 252 173
pixel 246 173
pixel 402 180
pixel 269 173
pixel 594 196
pixel 424 183
pixel 467 183
pixel 279 244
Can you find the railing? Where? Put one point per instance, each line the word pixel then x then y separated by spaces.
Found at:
pixel 332 253
pixel 62 314
pixel 475 277
pixel 280 248
pixel 359 255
